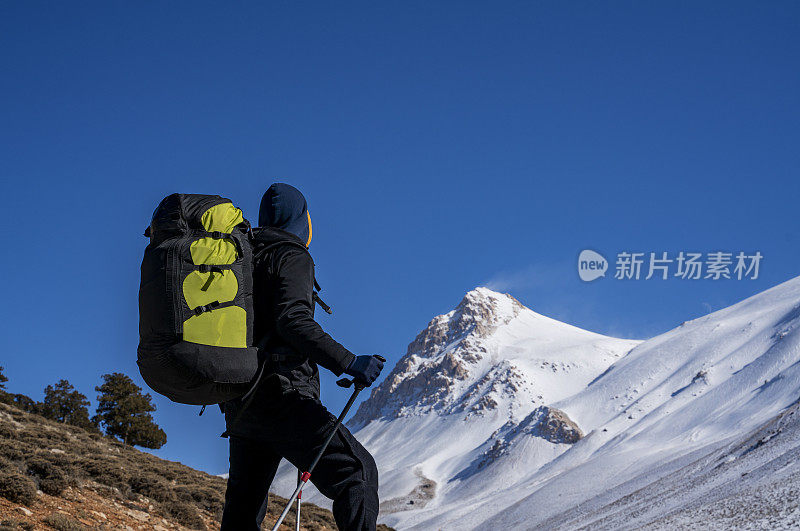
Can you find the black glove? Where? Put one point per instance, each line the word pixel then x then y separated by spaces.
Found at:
pixel 365 369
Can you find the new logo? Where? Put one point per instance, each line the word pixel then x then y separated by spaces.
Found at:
pixel 591 265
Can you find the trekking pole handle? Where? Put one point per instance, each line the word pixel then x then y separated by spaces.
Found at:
pixel 347 382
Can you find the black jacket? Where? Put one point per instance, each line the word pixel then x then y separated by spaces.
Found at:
pixel 293 342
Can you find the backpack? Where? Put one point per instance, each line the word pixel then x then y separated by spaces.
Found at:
pixel 195 301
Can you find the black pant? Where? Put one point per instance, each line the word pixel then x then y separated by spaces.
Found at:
pixel 295 429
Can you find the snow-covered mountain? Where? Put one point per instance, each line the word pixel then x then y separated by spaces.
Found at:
pixel 490 356
pixel 674 427
pixel 474 382
pixel 500 418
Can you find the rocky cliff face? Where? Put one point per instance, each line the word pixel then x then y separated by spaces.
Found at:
pixel 545 423
pixel 555 426
pixel 443 356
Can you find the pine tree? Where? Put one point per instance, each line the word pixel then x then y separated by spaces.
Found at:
pixel 124 411
pixel 64 404
pixel 20 401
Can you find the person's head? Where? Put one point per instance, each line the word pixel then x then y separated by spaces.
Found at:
pixel 284 207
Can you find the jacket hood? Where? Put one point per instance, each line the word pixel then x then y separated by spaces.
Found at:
pixel 283 207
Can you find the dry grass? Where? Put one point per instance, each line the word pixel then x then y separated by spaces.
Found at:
pixel 17 488
pixel 37 453
pixel 13 524
pixel 62 522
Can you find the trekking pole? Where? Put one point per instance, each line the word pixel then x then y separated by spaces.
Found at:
pixel 305 476
pixel 299 495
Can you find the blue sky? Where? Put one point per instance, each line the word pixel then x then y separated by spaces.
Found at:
pixel 441 145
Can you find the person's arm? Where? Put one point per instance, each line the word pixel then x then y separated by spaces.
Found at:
pixel 294 284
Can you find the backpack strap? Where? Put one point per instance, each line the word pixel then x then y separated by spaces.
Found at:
pixel 246 399
pixel 212 268
pixel 325 307
pixel 213 306
pixel 219 235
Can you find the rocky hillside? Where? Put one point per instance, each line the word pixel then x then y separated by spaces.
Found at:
pixel 56 476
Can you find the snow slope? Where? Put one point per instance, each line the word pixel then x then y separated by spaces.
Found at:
pixel 500 418
pixel 674 398
pixel 750 483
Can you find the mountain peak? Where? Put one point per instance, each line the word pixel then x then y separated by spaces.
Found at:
pixel 441 355
pixel 481 310
pixel 478 314
pixel 481 296
pixel 484 292
pixel 479 357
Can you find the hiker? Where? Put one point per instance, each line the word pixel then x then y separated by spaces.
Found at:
pixel 285 418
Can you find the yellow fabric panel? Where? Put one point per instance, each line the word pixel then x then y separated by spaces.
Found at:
pixel 309 228
pixel 221 218
pixel 211 251
pixel 224 327
pixel 200 289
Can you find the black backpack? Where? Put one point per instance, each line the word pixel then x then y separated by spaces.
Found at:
pixel 195 301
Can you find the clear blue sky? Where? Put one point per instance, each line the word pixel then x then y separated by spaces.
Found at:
pixel 441 145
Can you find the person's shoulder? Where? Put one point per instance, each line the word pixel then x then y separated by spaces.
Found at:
pixel 288 250
pixel 277 243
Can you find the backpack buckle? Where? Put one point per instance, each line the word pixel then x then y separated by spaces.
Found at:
pixel 207 308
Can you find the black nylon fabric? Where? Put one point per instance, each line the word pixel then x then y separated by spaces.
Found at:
pixel 283 299
pixel 283 289
pixel 165 374
pixel 346 474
